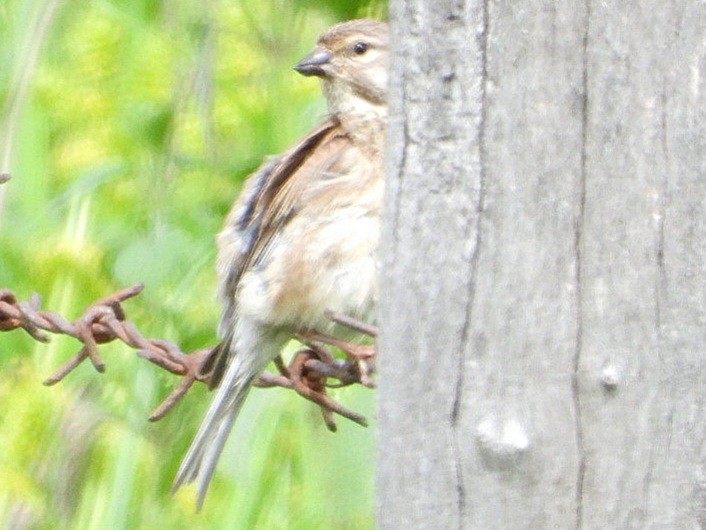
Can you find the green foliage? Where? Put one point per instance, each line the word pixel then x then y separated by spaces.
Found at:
pixel 139 121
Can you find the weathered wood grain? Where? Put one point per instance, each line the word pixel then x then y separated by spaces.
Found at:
pixel 543 313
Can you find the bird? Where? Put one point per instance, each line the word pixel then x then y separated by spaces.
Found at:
pixel 302 237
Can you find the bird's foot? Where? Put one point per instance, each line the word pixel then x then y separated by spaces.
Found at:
pixel 306 373
pixel 360 357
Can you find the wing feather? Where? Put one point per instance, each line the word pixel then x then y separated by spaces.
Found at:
pixel 268 200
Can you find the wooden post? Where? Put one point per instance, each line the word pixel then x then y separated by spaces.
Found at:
pixel 543 347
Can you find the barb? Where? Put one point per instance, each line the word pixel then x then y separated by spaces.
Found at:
pixel 4 177
pixel 105 321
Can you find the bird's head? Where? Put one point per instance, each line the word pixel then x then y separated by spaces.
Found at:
pixel 351 59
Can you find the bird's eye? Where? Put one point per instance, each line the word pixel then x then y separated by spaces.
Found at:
pixel 360 48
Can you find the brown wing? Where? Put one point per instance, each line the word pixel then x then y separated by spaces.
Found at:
pixel 269 198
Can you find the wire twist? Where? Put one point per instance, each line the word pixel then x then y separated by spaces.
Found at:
pixel 105 321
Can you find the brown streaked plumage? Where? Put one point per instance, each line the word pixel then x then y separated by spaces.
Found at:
pixel 302 236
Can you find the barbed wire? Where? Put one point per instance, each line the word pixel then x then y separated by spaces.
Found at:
pixel 4 177
pixel 105 321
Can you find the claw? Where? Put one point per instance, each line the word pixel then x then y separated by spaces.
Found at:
pixel 361 355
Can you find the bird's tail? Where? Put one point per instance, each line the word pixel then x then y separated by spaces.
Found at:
pixel 201 458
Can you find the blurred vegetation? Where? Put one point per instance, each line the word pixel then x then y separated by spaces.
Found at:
pixel 128 126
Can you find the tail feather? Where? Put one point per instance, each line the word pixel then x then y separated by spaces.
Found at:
pixel 207 465
pixel 247 351
pixel 201 458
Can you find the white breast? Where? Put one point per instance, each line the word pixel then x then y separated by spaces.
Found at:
pixel 319 263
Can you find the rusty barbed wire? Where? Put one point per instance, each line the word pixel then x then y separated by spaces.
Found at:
pixel 105 321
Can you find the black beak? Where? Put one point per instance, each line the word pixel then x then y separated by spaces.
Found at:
pixel 313 64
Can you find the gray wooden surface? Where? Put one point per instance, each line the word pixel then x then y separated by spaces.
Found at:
pixel 543 347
